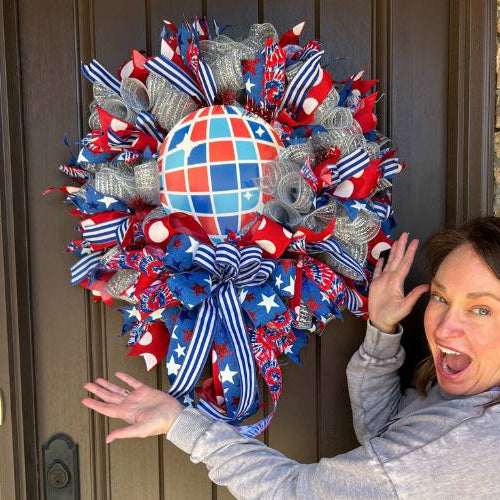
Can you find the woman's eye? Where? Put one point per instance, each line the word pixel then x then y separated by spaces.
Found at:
pixel 435 296
pixel 481 311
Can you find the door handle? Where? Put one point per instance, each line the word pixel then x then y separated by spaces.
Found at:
pixel 1 407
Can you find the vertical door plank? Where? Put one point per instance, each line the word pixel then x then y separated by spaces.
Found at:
pixel 346 33
pixel 345 30
pixel 294 429
pixel 7 470
pixel 239 15
pixel 339 341
pixel 119 27
pixel 284 15
pixel 419 93
pixel 58 312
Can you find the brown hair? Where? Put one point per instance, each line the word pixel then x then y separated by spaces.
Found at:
pixel 483 233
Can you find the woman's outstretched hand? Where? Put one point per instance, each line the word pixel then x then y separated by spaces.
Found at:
pixel 148 411
pixel 387 304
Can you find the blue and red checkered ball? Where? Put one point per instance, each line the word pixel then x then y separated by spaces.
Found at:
pixel 209 166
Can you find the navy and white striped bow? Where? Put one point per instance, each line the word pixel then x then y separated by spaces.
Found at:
pixel 230 268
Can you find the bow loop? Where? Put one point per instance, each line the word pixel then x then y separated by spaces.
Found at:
pixel 227 261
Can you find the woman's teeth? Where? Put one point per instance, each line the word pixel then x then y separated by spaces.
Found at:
pixel 447 351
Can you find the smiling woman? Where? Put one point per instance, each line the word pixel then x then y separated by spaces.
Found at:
pixel 449 431
pixel 462 319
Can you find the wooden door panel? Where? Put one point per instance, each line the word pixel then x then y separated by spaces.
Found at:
pixel 58 311
pixel 294 428
pixel 408 46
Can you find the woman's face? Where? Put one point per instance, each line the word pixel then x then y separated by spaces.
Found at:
pixel 462 323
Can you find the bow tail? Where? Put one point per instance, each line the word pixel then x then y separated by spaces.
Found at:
pixel 230 311
pixel 197 352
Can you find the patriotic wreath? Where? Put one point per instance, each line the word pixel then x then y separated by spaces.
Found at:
pixel 236 198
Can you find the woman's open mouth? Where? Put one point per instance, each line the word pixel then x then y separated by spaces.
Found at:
pixel 451 363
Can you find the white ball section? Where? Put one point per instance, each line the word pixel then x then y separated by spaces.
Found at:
pixel 158 232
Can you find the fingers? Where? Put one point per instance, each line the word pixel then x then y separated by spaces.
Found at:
pixel 110 410
pixel 401 241
pixel 110 386
pixel 129 431
pixel 104 394
pixel 378 268
pixel 128 379
pixel 397 252
pixel 413 296
pixel 407 260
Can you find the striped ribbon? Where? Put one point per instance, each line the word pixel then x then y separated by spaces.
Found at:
pixel 146 123
pixel 207 81
pixel 307 53
pixel 299 87
pixel 231 268
pixel 175 75
pixel 96 72
pixel 104 232
pixel 382 210
pixel 84 267
pixel 115 141
pixel 389 167
pixel 334 248
pixel 350 165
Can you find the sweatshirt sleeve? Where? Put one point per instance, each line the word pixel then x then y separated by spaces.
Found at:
pixel 251 470
pixel 373 381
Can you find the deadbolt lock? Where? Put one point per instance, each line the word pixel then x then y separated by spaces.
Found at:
pixel 58 475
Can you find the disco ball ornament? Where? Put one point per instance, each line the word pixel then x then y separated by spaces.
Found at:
pixel 210 164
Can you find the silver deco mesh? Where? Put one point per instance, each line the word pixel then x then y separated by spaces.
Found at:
pixel 168 104
pixel 120 281
pixel 115 180
pixel 224 55
pixel 340 138
pixel 135 94
pixel 147 181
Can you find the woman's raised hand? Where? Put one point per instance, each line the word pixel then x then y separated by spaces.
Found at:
pixel 387 304
pixel 148 411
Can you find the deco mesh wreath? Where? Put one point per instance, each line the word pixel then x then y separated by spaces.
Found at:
pixel 235 198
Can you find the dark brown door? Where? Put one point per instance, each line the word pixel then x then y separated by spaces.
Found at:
pixel 434 60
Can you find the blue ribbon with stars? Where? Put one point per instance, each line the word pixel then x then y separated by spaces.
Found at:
pixel 226 268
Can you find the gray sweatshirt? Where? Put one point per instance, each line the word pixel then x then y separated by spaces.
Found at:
pixel 440 446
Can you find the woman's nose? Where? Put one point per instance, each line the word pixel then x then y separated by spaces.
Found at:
pixel 450 324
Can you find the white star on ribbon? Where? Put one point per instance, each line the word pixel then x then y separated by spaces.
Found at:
pixel 86 251
pixel 268 302
pixel 289 349
pixel 172 366
pixel 194 245
pixel 324 297
pixel 180 350
pixel 227 375
pixel 279 281
pixel 291 287
pixel 249 85
pixel 157 314
pixel 107 200
pixel 260 131
pixel 134 312
pixel 358 205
